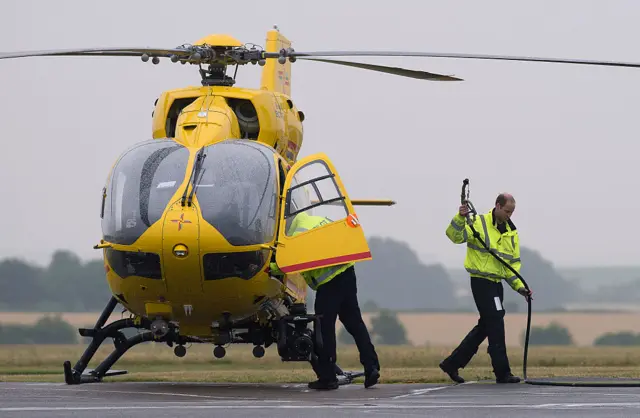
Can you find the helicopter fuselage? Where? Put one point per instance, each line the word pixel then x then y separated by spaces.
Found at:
pixel 193 216
pixel 191 241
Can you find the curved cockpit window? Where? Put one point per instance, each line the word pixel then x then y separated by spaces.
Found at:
pixel 238 191
pixel 140 186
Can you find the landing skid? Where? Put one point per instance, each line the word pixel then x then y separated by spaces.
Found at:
pixel 79 373
pixel 88 376
pixel 295 343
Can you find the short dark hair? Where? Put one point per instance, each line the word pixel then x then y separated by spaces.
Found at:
pixel 503 198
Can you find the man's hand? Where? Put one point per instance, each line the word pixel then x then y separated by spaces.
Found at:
pixel 463 210
pixel 526 293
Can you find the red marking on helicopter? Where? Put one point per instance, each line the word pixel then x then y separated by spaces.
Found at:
pixel 352 220
pixel 326 261
pixel 181 221
pixel 292 145
pixel 283 77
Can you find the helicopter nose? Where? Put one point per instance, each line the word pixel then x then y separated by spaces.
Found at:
pixel 180 249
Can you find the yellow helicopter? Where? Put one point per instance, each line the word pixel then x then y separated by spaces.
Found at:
pixel 192 218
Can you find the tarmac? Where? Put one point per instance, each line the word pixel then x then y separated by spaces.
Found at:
pixel 194 400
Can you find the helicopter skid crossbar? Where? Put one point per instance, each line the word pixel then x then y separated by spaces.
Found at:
pixel 98 334
pixel 103 369
pixel 295 341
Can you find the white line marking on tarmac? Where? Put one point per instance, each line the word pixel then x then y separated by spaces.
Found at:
pixel 603 394
pixel 418 392
pixel 190 395
pixel 339 406
pixel 396 413
pixel 589 405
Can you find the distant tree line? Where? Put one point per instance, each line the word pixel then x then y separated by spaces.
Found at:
pixel 555 334
pixel 618 338
pixel 552 334
pixel 65 285
pixel 395 279
pixel 385 329
pixel 48 330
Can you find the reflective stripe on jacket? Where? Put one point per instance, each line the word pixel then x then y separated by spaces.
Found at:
pixel 479 262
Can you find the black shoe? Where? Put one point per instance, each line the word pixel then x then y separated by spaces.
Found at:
pixel 508 379
pixel 371 377
pixel 453 373
pixel 323 385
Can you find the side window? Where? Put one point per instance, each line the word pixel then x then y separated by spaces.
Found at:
pixel 313 192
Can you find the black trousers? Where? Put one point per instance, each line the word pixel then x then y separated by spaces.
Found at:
pixel 339 299
pixel 488 297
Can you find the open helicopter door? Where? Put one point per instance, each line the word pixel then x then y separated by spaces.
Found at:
pixel 313 188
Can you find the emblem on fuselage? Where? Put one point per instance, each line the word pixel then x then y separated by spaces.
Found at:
pixel 181 221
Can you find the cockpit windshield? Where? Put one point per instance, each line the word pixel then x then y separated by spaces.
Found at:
pixel 237 191
pixel 141 185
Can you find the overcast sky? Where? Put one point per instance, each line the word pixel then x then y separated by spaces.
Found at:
pixel 562 138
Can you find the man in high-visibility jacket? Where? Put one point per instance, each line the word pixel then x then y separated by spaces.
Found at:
pixel 500 234
pixel 336 296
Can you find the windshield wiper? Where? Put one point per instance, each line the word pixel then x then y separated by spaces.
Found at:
pixel 194 173
pixel 196 182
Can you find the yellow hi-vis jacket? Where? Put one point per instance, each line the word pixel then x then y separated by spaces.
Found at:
pixel 479 262
pixel 317 277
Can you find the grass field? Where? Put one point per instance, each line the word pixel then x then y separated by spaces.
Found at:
pixel 156 362
pixel 433 335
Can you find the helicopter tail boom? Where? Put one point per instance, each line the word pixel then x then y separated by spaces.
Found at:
pixel 276 77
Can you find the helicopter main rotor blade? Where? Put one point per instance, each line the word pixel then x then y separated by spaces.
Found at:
pixel 303 55
pixel 99 52
pixel 422 75
pixel 202 54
